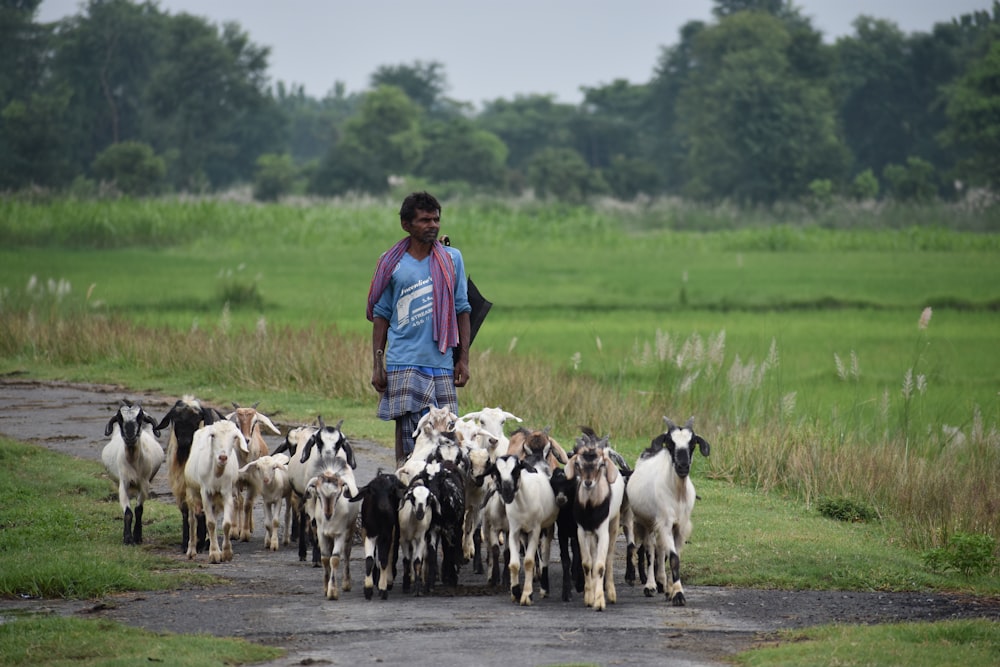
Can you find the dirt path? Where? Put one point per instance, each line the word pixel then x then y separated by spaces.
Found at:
pixel 274 599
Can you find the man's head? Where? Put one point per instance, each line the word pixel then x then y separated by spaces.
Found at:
pixel 418 201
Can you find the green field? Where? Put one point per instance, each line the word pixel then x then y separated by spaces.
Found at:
pixel 795 344
pixel 612 318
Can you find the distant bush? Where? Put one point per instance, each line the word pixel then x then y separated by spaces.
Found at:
pixel 913 182
pixel 274 177
pixel 133 167
pixel 865 185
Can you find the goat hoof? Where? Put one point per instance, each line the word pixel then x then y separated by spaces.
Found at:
pixel 368 593
pixel 384 595
pixel 648 592
pixel 678 600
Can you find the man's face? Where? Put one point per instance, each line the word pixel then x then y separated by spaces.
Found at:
pixel 425 226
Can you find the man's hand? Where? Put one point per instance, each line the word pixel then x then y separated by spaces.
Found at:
pixel 461 373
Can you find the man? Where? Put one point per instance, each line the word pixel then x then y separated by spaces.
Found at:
pixel 419 308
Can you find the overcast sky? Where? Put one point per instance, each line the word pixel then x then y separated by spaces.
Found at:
pixel 502 48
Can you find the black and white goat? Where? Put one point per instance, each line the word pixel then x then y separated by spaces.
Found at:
pixel 661 495
pixel 446 480
pixel 380 500
pixel 416 515
pixel 531 509
pixel 597 502
pixel 132 457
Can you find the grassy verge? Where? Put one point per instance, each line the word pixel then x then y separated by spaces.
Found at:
pixel 954 643
pixel 55 641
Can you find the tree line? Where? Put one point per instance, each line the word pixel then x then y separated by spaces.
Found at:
pixel 751 106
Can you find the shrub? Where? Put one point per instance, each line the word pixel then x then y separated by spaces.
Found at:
pixel 865 185
pixel 132 166
pixel 846 509
pixel 914 182
pixel 274 177
pixel 967 553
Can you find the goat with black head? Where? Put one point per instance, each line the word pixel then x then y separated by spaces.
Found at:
pixel 661 497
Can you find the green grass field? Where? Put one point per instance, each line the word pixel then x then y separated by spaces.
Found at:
pixel 796 345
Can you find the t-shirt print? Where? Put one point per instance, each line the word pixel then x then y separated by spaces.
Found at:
pixel 415 304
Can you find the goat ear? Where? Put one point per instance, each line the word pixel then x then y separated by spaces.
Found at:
pixel 610 469
pixel 208 416
pixel 308 448
pixel 570 469
pixel 351 461
pixel 703 445
pixel 166 419
pixel 252 464
pixel 559 452
pixel 111 424
pixel 268 423
pixel 658 442
pixel 152 422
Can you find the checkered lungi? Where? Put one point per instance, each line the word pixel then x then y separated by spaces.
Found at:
pixel 411 391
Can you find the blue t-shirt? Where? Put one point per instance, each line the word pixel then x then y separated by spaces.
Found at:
pixel 411 325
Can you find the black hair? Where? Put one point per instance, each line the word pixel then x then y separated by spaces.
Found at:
pixel 418 201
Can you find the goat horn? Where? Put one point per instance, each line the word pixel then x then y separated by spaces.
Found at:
pixel 689 424
pixel 670 424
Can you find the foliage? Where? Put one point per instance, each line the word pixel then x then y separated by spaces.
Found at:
pixel 132 167
pixel 974 111
pixel 274 178
pixel 968 553
pixel 563 173
pixel 845 509
pixel 865 186
pixel 913 182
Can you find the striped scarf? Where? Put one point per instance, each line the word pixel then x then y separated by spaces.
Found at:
pixel 445 321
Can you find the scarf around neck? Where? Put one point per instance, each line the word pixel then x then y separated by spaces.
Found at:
pixel 443 277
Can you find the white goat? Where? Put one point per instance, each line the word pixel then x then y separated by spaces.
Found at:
pixel 210 475
pixel 531 512
pixel 269 473
pixel 416 513
pixel 132 458
pixel 328 503
pixel 185 417
pixel 492 420
pixel 248 488
pixel 661 495
pixel 597 503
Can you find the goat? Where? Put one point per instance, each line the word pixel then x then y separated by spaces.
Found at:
pixel 380 500
pixel 247 488
pixel 294 439
pixel 492 420
pixel 269 473
pixel 210 476
pixel 447 482
pixel 185 417
pixel 327 503
pixel 531 510
pixel 597 502
pixel 661 495
pixel 416 514
pixel 326 450
pixel 437 420
pixel 132 458
pixel 537 447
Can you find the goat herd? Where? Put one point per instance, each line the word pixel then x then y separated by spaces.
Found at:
pixel 466 484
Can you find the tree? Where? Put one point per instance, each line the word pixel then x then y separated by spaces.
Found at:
pixel 424 83
pixel 132 167
pixel 913 182
pixel 564 174
pixel 224 118
pixel 387 129
pixel 974 119
pixel 459 151
pixel 757 131
pixel 274 177
pixel 528 124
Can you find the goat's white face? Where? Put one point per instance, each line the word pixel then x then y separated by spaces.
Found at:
pixel 328 491
pixel 131 424
pixel 507 473
pixel 680 450
pixel 419 496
